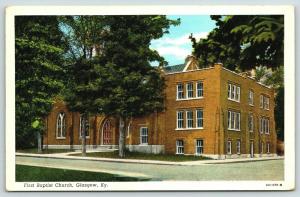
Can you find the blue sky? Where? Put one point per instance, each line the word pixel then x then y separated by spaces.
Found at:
pixel 176 45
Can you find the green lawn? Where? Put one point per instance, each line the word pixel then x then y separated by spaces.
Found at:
pixel 34 174
pixel 145 156
pixel 49 151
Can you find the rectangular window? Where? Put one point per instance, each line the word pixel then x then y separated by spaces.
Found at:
pixel 238 147
pixel 190 91
pixel 268 147
pixel 264 125
pixel 199 113
pixel 199 147
pixel 189 119
pixel 266 103
pixel 199 89
pixel 180 119
pixel 250 123
pixel 234 92
pixel 143 135
pixel 179 147
pixel 234 120
pixel 180 94
pixel 262 148
pixel 261 101
pixel 251 98
pixel 229 147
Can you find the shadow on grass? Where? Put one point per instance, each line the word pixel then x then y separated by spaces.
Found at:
pixel 48 151
pixel 144 156
pixel 34 174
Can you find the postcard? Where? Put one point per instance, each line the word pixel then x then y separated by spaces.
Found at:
pixel 150 98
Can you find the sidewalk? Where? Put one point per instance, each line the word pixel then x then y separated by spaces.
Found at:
pixel 185 163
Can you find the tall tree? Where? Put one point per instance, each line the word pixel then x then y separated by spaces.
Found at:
pixel 38 74
pixel 121 82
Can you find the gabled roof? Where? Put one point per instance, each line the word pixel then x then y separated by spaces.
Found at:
pixel 175 68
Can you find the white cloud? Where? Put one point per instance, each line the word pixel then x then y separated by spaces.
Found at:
pixel 178 48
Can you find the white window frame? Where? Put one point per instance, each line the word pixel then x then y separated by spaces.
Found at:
pixel 199 146
pixel 199 119
pixel 233 120
pixel 191 90
pixel 61 129
pixel 181 120
pixel 179 147
pixel 251 98
pixel 266 103
pixel 234 92
pixel 250 123
pixel 144 136
pixel 261 148
pixel 189 120
pixel 238 147
pixel 264 126
pixel 199 88
pixel 229 147
pixel 261 101
pixel 180 92
pixel 87 133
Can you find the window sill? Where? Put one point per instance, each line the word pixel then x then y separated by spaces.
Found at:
pixel 143 144
pixel 61 138
pixel 183 129
pixel 179 153
pixel 233 129
pixel 237 101
pixel 87 137
pixel 252 105
pixel 187 99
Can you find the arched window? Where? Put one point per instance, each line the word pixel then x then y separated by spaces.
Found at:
pixel 61 126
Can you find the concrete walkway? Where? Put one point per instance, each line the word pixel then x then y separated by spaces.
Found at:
pixel 183 163
pixel 259 170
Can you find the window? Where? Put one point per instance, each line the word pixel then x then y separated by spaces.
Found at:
pixel 268 147
pixel 234 92
pixel 179 147
pixel 83 122
pixel 234 120
pixel 143 135
pixel 238 147
pixel 180 94
pixel 190 91
pixel 199 113
pixel 251 98
pixel 261 101
pixel 199 89
pixel 189 119
pixel 61 126
pixel 266 103
pixel 250 123
pixel 199 147
pixel 180 119
pixel 229 147
pixel 264 125
pixel 262 148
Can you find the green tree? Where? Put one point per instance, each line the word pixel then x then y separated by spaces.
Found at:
pixel 243 41
pixel 38 72
pixel 121 82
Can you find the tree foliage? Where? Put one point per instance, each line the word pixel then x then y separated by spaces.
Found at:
pixel 243 41
pixel 38 72
pixel 120 81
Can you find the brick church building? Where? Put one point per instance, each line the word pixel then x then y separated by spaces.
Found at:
pixel 211 111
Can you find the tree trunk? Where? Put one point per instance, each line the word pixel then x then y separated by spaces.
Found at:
pixel 122 131
pixel 83 137
pixel 39 139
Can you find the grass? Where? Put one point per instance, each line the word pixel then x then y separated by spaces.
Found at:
pixel 34 174
pixel 49 151
pixel 145 156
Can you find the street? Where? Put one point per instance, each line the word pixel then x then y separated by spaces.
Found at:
pixel 258 170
